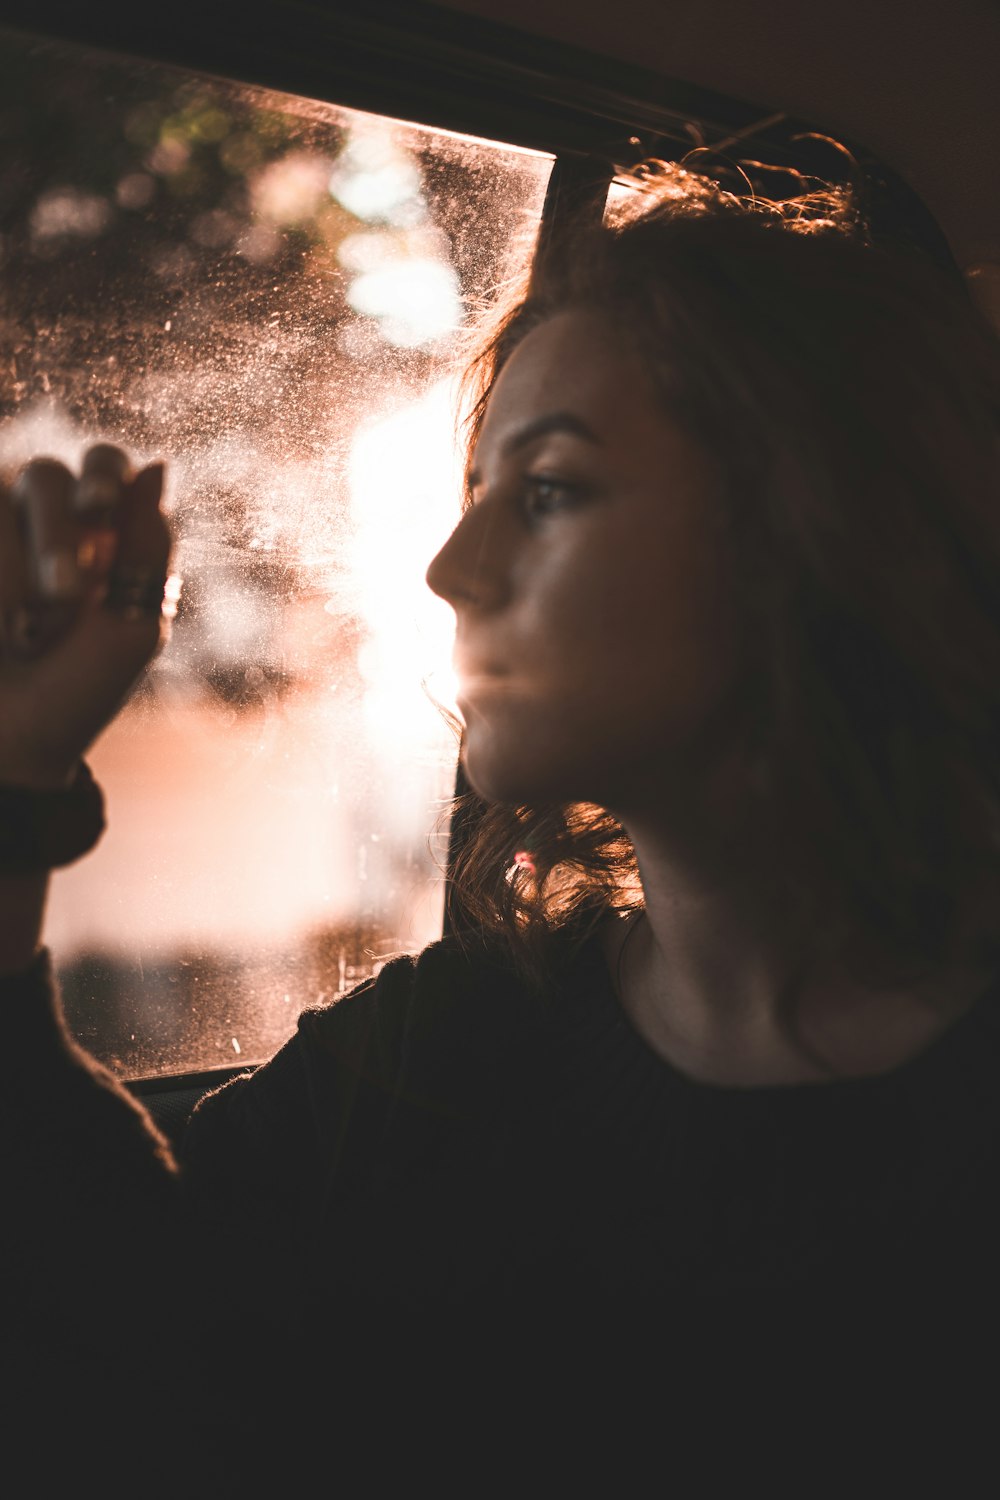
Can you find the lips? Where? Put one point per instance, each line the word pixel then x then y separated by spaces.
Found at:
pixel 477 681
pixel 467 670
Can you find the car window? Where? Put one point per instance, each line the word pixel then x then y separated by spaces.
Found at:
pixel 269 292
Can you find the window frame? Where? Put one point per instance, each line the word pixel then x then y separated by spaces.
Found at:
pixel 416 61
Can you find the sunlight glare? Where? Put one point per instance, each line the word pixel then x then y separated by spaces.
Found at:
pixel 416 302
pixel 376 181
pixel 288 191
pixel 405 478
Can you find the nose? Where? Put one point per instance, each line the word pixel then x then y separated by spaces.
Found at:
pixel 468 569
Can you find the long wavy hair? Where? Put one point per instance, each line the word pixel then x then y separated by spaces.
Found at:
pixel 849 392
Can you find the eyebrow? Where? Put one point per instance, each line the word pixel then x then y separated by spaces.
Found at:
pixel 555 421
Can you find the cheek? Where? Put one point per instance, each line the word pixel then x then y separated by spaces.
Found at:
pixel 651 638
pixel 623 665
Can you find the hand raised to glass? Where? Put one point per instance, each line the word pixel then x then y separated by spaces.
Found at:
pixel 83 563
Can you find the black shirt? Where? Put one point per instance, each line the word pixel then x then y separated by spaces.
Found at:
pixel 445 1190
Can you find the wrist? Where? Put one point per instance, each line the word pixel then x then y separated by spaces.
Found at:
pixel 45 828
pixel 22 904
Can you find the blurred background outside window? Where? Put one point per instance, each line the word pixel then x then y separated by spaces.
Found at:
pixel 266 292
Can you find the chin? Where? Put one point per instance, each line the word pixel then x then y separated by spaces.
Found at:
pixel 494 776
pixel 520 780
pixel 497 784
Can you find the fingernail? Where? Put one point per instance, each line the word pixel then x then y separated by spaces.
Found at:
pixel 58 575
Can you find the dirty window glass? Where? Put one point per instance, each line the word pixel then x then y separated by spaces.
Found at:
pixel 266 292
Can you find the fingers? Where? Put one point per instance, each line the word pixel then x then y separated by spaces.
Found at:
pixel 86 675
pixel 99 495
pixel 46 544
pixel 13 563
pixel 82 570
pixel 66 542
pixel 106 470
pixel 136 584
pixel 44 490
pixel 128 603
pixel 76 529
pixel 144 536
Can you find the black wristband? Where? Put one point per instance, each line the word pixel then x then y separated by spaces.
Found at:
pixel 44 830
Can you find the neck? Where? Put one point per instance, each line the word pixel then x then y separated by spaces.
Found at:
pixel 725 921
pixel 723 940
pixel 724 948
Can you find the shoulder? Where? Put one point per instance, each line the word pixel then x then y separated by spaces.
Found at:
pixel 444 977
pixel 425 1017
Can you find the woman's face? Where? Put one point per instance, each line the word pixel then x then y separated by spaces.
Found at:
pixel 596 635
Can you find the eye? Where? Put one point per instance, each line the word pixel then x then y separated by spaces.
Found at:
pixel 546 493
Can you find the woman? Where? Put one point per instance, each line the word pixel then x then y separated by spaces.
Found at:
pixel 716 1040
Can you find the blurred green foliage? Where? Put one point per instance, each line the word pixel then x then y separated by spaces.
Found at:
pixel 155 168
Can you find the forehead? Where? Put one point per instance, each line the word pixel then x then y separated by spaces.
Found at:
pixel 574 362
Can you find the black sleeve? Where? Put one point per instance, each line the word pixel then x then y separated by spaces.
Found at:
pixel 365 1089
pixel 139 1290
pixel 93 1233
pixel 351 1159
pixel 84 1166
pixel 368 1087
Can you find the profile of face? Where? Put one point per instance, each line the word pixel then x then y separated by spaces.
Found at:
pixel 596 635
